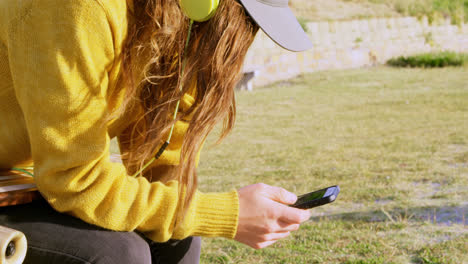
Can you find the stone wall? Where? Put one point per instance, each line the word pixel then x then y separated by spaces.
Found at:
pixel 353 44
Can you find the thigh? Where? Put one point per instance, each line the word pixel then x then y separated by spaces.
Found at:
pixel 58 238
pixel 186 251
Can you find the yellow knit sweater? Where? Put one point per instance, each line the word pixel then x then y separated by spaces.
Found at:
pixel 59 62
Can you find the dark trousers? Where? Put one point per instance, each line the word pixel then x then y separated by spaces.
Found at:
pixel 58 238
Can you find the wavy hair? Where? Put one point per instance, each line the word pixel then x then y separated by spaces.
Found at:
pixel 214 60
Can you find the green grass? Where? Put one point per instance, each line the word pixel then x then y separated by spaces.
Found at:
pixel 457 10
pixel 431 60
pixel 435 10
pixel 438 253
pixel 395 140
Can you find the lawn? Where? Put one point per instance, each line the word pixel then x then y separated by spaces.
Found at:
pixel 395 140
pixel 435 10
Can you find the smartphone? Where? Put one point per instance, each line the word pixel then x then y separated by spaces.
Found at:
pixel 317 198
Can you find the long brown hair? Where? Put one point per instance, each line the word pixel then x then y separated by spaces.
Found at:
pixel 214 60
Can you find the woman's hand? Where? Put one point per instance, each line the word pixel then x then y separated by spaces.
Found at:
pixel 264 216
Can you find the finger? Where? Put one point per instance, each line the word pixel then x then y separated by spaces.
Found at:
pixel 291 215
pixel 288 227
pixel 275 236
pixel 264 244
pixel 280 195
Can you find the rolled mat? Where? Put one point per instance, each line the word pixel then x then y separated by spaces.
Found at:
pixel 13 246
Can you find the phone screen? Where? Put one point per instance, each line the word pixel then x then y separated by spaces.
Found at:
pixel 317 198
pixel 311 196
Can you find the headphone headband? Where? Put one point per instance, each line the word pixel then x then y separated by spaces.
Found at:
pixel 199 10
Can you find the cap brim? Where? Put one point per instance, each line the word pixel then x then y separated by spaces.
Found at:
pixel 280 24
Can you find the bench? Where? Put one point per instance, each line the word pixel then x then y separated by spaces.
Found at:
pixel 246 82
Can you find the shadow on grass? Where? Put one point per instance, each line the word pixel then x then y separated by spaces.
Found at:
pixel 444 215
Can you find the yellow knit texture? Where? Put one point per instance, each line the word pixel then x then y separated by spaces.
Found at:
pixel 59 62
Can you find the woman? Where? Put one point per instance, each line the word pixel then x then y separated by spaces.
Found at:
pixel 73 75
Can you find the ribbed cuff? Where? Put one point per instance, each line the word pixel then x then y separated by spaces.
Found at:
pixel 217 214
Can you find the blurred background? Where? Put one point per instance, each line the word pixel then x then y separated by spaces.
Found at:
pixel 378 106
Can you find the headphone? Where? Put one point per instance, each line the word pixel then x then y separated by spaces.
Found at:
pixel 199 10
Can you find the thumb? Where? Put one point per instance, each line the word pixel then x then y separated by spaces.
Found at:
pixel 281 195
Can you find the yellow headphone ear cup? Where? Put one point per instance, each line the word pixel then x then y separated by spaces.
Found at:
pixel 199 10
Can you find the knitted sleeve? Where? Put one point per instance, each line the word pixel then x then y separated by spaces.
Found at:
pixel 60 54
